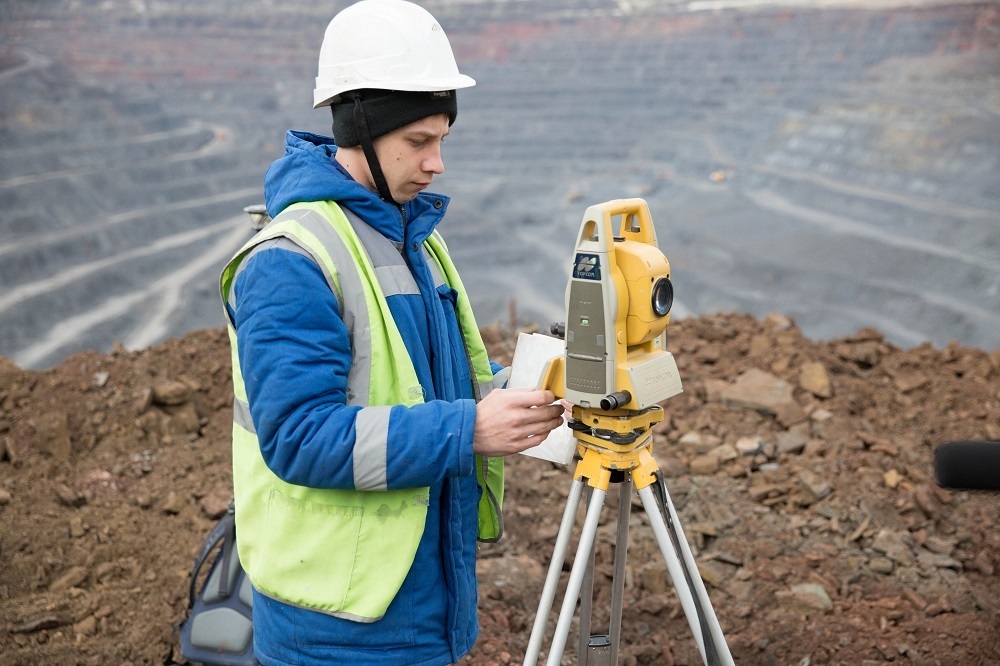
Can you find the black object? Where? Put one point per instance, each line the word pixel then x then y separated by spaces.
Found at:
pixel 615 400
pixel 558 329
pixel 219 627
pixel 968 464
pixel 387 110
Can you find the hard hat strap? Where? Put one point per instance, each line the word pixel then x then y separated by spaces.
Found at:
pixel 361 122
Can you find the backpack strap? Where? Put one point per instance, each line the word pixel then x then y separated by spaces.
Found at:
pixel 225 531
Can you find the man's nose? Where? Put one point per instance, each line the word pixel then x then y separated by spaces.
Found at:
pixel 434 162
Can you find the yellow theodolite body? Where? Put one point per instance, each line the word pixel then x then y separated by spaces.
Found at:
pixel 617 304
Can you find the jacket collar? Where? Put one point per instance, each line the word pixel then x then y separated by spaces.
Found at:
pixel 308 172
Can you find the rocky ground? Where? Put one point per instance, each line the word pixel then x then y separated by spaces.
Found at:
pixel 802 472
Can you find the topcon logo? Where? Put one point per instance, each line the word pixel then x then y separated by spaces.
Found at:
pixel 587 267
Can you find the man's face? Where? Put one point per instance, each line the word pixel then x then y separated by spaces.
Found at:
pixel 410 156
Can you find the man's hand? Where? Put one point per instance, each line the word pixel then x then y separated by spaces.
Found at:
pixel 512 420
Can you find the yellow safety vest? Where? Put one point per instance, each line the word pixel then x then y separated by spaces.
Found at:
pixel 346 552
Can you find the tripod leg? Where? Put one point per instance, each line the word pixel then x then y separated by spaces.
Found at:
pixel 621 553
pixel 684 573
pixel 552 577
pixel 587 602
pixel 580 562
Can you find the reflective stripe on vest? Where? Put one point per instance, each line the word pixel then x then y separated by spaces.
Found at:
pixel 376 533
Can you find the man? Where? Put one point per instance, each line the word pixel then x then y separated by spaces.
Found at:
pixel 366 436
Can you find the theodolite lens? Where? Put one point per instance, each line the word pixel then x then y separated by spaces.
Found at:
pixel 663 297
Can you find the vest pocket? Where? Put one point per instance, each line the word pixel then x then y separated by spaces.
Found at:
pixel 310 551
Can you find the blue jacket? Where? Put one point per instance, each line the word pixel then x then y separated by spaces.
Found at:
pixel 295 356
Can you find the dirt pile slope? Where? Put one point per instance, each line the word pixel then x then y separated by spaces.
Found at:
pixel 802 473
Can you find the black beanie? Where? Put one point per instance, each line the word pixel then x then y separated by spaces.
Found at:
pixel 388 110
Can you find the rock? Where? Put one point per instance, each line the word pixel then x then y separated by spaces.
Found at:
pixel 69 497
pixel 748 446
pixel 100 379
pixel 806 595
pixel 714 573
pixel 892 478
pixel 815 486
pixel 85 627
pixel 937 561
pixel 864 354
pixel 652 578
pixel 672 466
pixel 885 447
pixel 709 354
pixel 910 381
pixel 517 578
pixel 820 415
pixel 171 393
pixel 940 545
pixel 778 322
pixel 866 334
pixel 882 565
pixel 938 607
pixel 142 463
pixel 103 570
pixel 52 435
pixel 766 491
pixel 41 622
pixel 814 378
pixel 191 382
pixel 791 442
pixel 144 400
pixel 74 577
pixel 714 388
pixel 760 345
pixel 76 527
pixel 180 421
pixel 705 464
pixel 655 604
pixel 173 504
pixel 925 500
pixel 982 563
pixel 891 545
pixel 214 505
pixel 698 443
pixel 915 599
pixel 725 453
pixel 764 393
pixel 5 497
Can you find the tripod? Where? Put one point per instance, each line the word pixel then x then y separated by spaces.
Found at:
pixel 620 450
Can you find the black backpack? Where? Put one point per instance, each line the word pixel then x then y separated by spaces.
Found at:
pixel 219 627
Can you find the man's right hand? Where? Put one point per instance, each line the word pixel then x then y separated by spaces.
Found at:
pixel 512 420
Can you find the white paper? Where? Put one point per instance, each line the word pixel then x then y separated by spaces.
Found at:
pixel 531 354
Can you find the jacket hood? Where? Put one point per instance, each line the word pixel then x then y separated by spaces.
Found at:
pixel 309 172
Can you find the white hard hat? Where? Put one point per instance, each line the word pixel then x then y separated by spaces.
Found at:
pixel 387 45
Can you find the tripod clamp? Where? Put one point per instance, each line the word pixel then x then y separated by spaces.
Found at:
pixel 615 441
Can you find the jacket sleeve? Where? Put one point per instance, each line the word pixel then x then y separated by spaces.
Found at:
pixel 294 353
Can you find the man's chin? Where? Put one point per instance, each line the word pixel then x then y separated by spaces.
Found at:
pixel 408 195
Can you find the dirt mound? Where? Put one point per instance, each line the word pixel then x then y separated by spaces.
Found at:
pixel 802 473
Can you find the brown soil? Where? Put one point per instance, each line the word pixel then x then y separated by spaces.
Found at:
pixel 814 515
